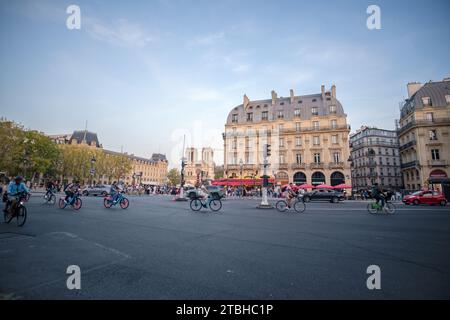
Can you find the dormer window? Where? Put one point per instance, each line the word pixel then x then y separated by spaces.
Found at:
pixel 447 98
pixel 297 113
pixel 282 104
pixel 250 117
pixel 426 101
pixel 314 100
pixel 315 111
pixel 280 114
pixel 300 101
pixel 332 109
pixel 234 118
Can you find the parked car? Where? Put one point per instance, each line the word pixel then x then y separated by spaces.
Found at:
pixel 324 195
pixel 215 191
pixel 99 189
pixel 425 197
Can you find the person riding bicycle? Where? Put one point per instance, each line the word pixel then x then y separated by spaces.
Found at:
pixel 378 195
pixel 203 192
pixel 14 188
pixel 50 187
pixel 70 190
pixel 290 194
pixel 114 192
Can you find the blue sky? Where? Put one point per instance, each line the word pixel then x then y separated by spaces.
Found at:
pixel 143 73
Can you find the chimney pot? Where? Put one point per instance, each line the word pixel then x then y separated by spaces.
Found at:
pixel 274 97
pixel 292 96
pixel 333 91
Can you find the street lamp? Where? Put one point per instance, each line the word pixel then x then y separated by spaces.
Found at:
pixel 241 166
pixel 92 171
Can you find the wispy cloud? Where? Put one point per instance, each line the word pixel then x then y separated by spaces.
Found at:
pixel 122 33
pixel 206 40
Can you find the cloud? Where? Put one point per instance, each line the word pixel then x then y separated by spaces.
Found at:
pixel 122 33
pixel 207 40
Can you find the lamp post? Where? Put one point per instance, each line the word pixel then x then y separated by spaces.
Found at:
pixel 92 171
pixel 241 166
pixel 264 200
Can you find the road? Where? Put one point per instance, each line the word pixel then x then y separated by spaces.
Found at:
pixel 159 249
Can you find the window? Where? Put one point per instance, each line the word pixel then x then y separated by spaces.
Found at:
pixel 334 139
pixel 265 115
pixel 298 158
pixel 316 140
pixel 332 109
pixel 429 116
pixel 316 157
pixel 282 158
pixel 333 124
pixel 281 142
pixel 336 157
pixel 314 111
pixel 250 117
pixel 280 114
pixel 234 118
pixel 316 125
pixel 432 134
pixel 435 154
pixel 298 141
pixel 297 126
pixel 297 113
pixel 426 101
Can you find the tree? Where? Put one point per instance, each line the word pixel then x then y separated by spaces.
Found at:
pixel 218 174
pixel 174 176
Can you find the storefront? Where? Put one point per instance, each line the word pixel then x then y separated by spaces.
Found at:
pixel 439 181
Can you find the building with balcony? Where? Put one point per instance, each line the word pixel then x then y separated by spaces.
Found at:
pixel 375 158
pixel 308 136
pixel 199 169
pixel 424 128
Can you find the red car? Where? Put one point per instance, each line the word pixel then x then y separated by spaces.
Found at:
pixel 425 197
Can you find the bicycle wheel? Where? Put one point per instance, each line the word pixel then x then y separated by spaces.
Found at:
pixel 215 205
pixel 124 203
pixel 107 203
pixel 62 203
pixel 281 206
pixel 299 206
pixel 371 207
pixel 21 216
pixel 7 216
pixel 52 199
pixel 196 204
pixel 77 204
pixel 389 208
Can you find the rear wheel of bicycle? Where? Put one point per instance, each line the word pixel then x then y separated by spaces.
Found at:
pixel 281 206
pixel 215 205
pixel 107 203
pixel 372 208
pixel 389 208
pixel 196 204
pixel 299 206
pixel 77 204
pixel 21 216
pixel 7 216
pixel 124 203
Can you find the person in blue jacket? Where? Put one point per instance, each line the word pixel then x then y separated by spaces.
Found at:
pixel 15 187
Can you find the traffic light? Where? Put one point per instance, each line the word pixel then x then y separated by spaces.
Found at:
pixel 267 151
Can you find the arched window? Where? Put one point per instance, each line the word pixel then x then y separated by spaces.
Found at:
pixel 282 177
pixel 337 178
pixel 299 178
pixel 317 178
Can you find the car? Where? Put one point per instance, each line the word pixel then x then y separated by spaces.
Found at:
pixel 324 195
pixel 425 197
pixel 216 191
pixel 97 190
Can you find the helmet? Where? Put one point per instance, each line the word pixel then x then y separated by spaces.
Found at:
pixel 18 178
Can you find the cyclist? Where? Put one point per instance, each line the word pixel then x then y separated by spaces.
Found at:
pixel 15 187
pixel 70 190
pixel 114 191
pixel 50 188
pixel 290 194
pixel 378 195
pixel 203 192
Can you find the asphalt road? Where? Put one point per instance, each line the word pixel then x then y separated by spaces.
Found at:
pixel 160 249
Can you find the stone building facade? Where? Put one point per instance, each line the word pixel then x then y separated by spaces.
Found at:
pixel 308 135
pixel 199 169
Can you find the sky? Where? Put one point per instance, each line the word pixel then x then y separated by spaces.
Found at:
pixel 143 74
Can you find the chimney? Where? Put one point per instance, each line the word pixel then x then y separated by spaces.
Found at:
pixel 413 87
pixel 246 101
pixel 274 97
pixel 322 89
pixel 292 96
pixel 333 91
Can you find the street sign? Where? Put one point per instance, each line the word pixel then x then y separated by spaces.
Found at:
pixel 92 172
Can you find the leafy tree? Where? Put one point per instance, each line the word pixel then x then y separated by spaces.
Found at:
pixel 174 176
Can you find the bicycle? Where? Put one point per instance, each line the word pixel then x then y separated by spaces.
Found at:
pixel 376 208
pixel 20 211
pixel 75 202
pixel 298 205
pixel 198 203
pixel 108 201
pixel 50 197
